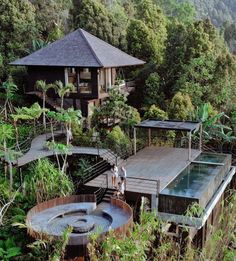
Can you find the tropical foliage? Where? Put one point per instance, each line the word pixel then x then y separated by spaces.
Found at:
pixel 189 74
pixel 46 182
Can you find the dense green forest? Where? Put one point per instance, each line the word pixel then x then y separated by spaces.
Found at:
pixel 190 74
pixel 174 45
pixel 219 11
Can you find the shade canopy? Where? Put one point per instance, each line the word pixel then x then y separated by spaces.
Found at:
pixel 169 125
pixel 79 49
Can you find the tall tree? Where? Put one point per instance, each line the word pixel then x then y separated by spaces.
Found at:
pixel 152 15
pixel 52 15
pixel 17 20
pixel 141 41
pixel 106 23
pixel 184 12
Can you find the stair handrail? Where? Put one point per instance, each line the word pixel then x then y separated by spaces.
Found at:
pixel 93 172
pixel 110 155
pixel 100 192
pixel 25 145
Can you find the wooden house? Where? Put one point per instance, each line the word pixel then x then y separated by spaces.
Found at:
pixel 79 58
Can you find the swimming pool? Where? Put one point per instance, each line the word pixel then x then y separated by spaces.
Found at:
pixel 196 183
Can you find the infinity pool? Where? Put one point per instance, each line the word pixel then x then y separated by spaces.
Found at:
pixel 192 181
pixel 213 157
pixel 196 183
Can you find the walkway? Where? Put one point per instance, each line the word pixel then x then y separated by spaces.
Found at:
pixel 38 150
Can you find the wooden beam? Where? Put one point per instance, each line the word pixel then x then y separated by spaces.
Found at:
pixel 135 148
pixel 149 137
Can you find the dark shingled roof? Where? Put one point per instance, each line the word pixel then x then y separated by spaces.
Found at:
pixel 79 49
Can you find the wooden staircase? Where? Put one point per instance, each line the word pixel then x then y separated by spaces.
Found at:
pixel 107 196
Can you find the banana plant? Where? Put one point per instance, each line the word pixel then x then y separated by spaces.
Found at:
pixel 32 113
pixel 213 128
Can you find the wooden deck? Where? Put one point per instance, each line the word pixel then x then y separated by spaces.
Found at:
pixel 150 165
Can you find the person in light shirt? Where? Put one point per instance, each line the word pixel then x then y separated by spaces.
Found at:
pixel 121 190
pixel 114 176
pixel 123 175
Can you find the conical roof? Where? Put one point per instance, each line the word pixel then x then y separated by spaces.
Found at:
pixel 79 49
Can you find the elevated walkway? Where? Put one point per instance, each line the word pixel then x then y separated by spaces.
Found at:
pixel 38 150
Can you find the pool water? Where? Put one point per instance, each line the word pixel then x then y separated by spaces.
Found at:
pixel 192 181
pixel 212 157
pixel 198 183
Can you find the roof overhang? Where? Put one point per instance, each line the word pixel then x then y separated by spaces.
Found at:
pixel 175 125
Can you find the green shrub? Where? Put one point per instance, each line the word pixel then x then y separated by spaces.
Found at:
pixel 45 182
pixel 155 112
pixel 118 142
pixel 181 107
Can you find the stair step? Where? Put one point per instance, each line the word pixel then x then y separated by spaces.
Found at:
pixel 110 193
pixel 107 197
pixel 106 200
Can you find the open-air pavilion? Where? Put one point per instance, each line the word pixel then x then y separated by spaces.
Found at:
pixel 173 125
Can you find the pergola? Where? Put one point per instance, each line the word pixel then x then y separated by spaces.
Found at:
pixel 175 125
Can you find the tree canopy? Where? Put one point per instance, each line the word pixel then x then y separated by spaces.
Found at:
pixel 17 20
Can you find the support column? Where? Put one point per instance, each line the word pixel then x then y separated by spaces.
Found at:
pixel 200 138
pixel 135 141
pixel 149 137
pixel 189 146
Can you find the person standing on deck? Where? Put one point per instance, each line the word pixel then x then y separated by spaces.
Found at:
pixel 114 176
pixel 123 175
pixel 120 190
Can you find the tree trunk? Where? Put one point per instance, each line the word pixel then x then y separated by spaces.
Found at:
pixel 11 174
pixel 64 164
pixel 62 102
pixel 5 110
pixel 44 114
pixel 5 150
pixel 17 135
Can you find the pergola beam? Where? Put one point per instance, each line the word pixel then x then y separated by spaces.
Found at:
pixel 149 137
pixel 135 141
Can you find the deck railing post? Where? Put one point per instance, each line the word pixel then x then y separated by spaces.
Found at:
pixel 149 137
pixel 107 180
pixel 158 187
pixel 135 141
pixel 189 146
pixel 200 139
